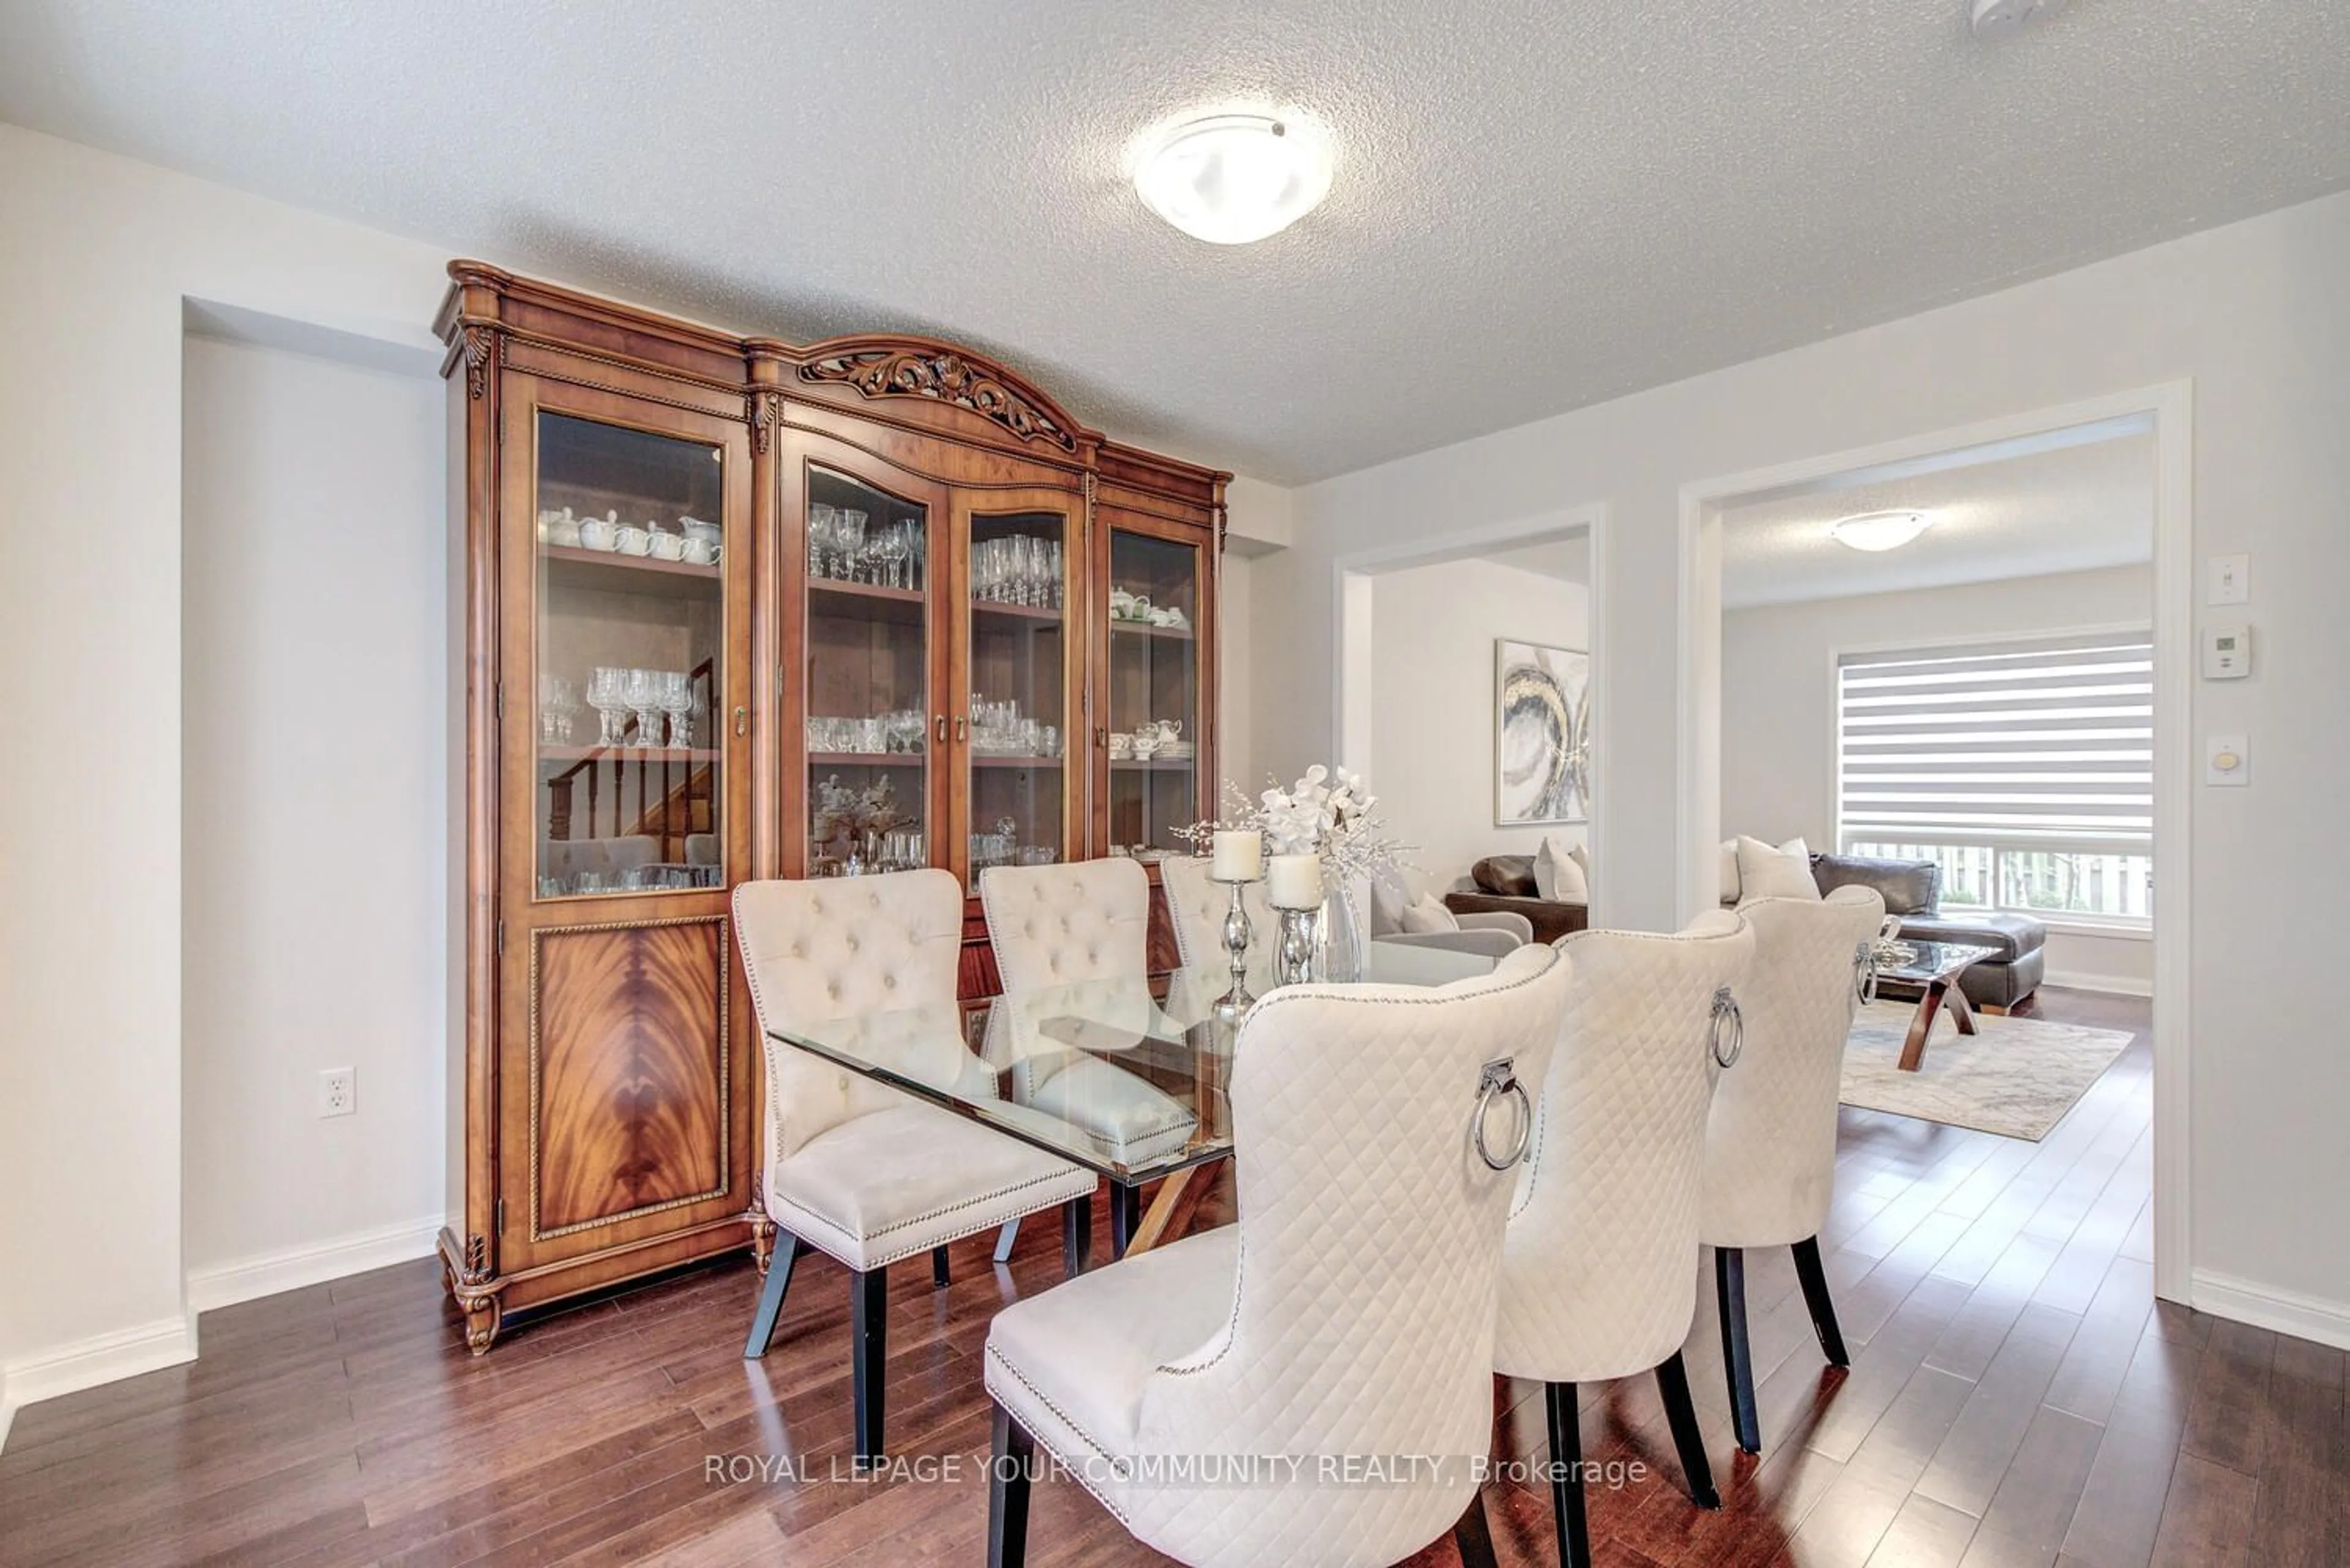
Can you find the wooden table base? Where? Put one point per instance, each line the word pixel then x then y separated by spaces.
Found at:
pixel 1178 1199
pixel 1937 994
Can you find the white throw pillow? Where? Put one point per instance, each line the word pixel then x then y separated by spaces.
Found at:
pixel 1782 873
pixel 1730 870
pixel 1559 875
pixel 1424 916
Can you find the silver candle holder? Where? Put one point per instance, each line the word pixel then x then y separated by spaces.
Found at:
pixel 1237 1001
pixel 1293 960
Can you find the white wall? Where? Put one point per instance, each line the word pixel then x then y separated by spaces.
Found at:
pixel 2256 315
pixel 1778 708
pixel 98 257
pixel 1433 631
pixel 314 814
pixel 1235 738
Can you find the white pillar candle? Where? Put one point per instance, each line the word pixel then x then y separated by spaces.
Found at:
pixel 1294 882
pixel 1238 855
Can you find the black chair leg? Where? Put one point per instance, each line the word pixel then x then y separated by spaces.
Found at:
pixel 868 1332
pixel 1076 1234
pixel 1125 1215
pixel 1007 1493
pixel 771 1296
pixel 1004 1240
pixel 942 1272
pixel 1680 1411
pixel 1566 1474
pixel 1473 1536
pixel 1737 1357
pixel 1815 1276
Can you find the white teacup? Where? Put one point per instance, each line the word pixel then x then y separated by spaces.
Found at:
pixel 701 552
pixel 1121 746
pixel 1146 744
pixel 665 546
pixel 695 528
pixel 598 534
pixel 631 540
pixel 1170 731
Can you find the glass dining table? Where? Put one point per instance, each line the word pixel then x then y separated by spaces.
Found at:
pixel 1097 1072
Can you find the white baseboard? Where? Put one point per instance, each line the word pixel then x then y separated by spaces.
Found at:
pixel 291 1269
pixel 2265 1306
pixel 2110 984
pixel 101 1358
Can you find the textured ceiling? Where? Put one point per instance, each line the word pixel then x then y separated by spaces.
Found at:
pixel 1537 206
pixel 2068 510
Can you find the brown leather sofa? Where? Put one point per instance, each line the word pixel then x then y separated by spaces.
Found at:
pixel 1505 885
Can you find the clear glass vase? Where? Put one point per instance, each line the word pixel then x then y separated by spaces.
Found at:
pixel 1342 935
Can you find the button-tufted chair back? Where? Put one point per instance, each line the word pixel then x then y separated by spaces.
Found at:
pixel 1061 934
pixel 1771 1138
pixel 1198 904
pixel 1370 1234
pixel 876 958
pixel 1599 1274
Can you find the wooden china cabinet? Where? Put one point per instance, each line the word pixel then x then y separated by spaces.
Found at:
pixel 728 608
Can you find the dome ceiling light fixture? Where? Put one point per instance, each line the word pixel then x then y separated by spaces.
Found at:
pixel 1231 178
pixel 1879 531
pixel 1999 18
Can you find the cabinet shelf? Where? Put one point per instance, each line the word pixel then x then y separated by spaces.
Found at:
pixel 554 753
pixel 601 571
pixel 1143 628
pixel 866 603
pixel 1016 612
pixel 867 760
pixel 1154 765
pixel 986 761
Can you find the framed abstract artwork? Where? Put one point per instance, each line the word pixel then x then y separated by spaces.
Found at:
pixel 1541 733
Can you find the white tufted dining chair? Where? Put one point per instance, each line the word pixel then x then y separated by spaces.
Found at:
pixel 1770 1140
pixel 1197 905
pixel 1349 1312
pixel 1598 1269
pixel 862 1172
pixel 1072 938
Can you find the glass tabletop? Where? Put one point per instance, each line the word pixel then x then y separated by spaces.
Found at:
pixel 1928 962
pixel 1099 1071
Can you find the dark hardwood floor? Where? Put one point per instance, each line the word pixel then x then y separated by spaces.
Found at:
pixel 2016 1398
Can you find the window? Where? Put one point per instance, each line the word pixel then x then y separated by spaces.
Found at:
pixel 2024 770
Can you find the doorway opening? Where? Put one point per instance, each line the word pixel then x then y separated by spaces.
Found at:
pixel 2000 701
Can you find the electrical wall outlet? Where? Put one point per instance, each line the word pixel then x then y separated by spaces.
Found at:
pixel 338 1092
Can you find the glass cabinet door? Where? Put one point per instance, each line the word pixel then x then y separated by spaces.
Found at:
pixel 631 658
pixel 1018 568
pixel 871 715
pixel 1152 692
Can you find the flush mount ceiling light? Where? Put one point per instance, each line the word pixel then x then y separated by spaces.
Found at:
pixel 1998 18
pixel 1878 531
pixel 1229 178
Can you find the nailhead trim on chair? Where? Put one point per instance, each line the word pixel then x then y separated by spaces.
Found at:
pixel 1099 1448
pixel 774 1202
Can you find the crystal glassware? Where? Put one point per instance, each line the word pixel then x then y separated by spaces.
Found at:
pixel 643 693
pixel 605 694
pixel 849 540
pixel 677 702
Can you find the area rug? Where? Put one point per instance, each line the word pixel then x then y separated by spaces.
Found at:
pixel 2016 1078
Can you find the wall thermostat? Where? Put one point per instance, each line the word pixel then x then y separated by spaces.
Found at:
pixel 2227 652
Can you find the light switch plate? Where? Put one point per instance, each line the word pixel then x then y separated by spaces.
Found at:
pixel 2226 761
pixel 2231 580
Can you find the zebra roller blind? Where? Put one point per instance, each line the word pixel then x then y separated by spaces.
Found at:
pixel 2046 746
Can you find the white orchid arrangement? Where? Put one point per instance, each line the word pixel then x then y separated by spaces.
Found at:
pixel 1329 811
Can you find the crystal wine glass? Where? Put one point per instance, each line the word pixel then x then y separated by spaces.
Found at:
pixel 820 515
pixel 677 702
pixel 644 699
pixel 605 695
pixel 850 539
